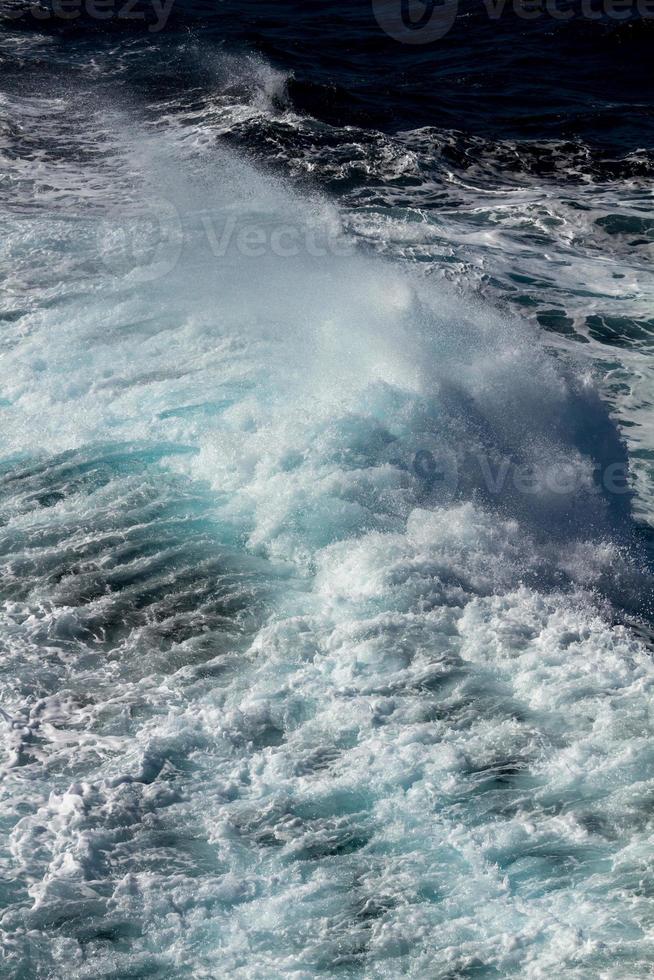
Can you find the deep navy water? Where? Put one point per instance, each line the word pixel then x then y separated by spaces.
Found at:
pixel 326 496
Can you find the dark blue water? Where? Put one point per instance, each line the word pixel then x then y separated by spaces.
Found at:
pixel 493 73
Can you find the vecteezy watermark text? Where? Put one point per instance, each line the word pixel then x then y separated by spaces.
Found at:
pixel 442 471
pixel 153 14
pixel 285 240
pixel 148 243
pixel 424 21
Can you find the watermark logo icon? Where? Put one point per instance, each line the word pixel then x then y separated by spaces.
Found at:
pixel 437 469
pixel 415 21
pixel 145 244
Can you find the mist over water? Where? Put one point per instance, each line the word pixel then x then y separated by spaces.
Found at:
pixel 325 585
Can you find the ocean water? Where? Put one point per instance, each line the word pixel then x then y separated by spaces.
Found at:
pixel 326 497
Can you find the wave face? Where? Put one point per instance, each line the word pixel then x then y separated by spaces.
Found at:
pixel 326 618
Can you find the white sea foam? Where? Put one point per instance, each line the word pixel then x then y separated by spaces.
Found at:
pixel 279 702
